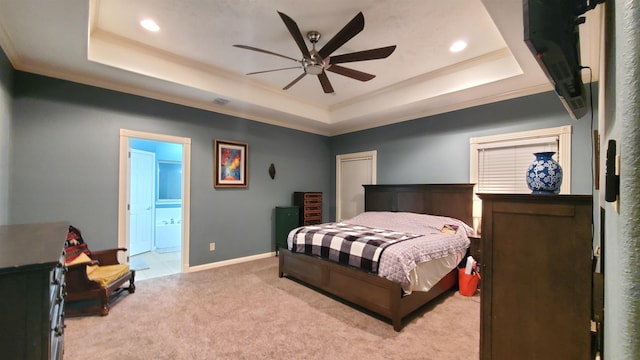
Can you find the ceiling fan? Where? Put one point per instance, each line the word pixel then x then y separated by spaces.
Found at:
pixel 315 62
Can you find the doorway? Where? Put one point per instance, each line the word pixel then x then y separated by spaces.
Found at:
pixel 353 171
pixel 153 220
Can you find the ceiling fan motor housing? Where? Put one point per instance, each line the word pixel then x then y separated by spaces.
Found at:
pixel 312 68
pixel 314 65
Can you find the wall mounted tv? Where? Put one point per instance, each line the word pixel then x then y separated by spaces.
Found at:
pixel 551 33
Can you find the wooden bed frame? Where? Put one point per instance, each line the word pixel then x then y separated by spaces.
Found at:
pixel 369 291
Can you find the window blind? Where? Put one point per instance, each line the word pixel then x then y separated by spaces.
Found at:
pixel 502 167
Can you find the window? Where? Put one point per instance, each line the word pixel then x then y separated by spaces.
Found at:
pixel 502 166
pixel 499 162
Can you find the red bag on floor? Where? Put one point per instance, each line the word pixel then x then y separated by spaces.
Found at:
pixel 468 283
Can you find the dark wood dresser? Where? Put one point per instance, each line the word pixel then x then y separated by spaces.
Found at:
pixel 310 204
pixel 536 276
pixel 32 287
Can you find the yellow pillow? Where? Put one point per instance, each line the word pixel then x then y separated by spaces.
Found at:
pixel 83 258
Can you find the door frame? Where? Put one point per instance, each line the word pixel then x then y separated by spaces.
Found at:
pixel 124 189
pixel 371 156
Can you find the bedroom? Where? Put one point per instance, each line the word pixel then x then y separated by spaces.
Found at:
pixel 63 149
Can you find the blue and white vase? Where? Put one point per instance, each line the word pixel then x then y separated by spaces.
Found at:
pixel 545 174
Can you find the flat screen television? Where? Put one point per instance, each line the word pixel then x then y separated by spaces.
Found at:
pixel 552 35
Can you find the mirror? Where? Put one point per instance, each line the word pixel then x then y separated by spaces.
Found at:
pixel 169 182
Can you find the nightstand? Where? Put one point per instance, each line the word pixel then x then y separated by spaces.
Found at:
pixel 474 248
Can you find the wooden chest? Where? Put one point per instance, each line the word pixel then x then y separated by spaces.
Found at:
pixel 310 204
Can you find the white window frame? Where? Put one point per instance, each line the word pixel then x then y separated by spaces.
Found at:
pixel 563 133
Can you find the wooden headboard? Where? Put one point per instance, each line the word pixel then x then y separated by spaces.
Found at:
pixel 452 200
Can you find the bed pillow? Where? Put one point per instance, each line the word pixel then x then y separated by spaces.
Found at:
pixel 409 222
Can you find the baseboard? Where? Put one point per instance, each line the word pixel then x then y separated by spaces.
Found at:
pixel 218 264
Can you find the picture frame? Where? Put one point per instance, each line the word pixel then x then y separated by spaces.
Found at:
pixel 230 164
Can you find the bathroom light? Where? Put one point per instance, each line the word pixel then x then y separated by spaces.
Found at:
pixel 150 25
pixel 458 46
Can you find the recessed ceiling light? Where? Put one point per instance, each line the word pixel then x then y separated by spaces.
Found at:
pixel 150 25
pixel 458 46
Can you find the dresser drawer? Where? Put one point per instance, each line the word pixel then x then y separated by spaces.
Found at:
pixel 312 213
pixel 57 293
pixel 57 320
pixel 56 284
pixel 56 333
pixel 312 200
pixel 56 342
pixel 311 221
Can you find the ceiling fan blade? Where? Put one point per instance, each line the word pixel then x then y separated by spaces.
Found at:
pixel 354 74
pixel 349 31
pixel 373 54
pixel 326 84
pixel 265 51
pixel 297 35
pixel 266 71
pixel 294 81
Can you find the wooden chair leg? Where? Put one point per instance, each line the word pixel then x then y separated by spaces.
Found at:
pixel 132 285
pixel 104 301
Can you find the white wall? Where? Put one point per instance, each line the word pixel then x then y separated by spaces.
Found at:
pixel 621 122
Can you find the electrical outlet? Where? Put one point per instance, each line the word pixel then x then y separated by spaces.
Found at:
pixel 212 246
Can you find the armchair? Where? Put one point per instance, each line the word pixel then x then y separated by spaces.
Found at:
pixel 94 278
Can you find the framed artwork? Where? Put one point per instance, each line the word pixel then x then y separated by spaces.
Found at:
pixel 230 164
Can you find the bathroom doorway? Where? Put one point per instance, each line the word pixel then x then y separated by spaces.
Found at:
pixel 154 224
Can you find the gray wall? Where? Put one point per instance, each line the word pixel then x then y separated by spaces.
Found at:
pixel 66 141
pixel 435 149
pixel 66 158
pixel 6 77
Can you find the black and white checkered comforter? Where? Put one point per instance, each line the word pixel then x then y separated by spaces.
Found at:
pixel 351 244
pixel 397 262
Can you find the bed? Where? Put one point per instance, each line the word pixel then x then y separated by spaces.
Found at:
pixel 367 290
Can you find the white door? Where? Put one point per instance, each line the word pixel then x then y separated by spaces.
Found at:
pixel 353 171
pixel 141 201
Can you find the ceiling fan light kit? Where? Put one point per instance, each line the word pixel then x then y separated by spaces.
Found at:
pixel 316 62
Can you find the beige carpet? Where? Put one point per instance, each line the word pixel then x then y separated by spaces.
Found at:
pixel 245 311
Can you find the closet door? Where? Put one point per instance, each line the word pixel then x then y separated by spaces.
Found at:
pixel 353 171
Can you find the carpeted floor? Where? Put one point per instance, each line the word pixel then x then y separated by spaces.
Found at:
pixel 245 311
